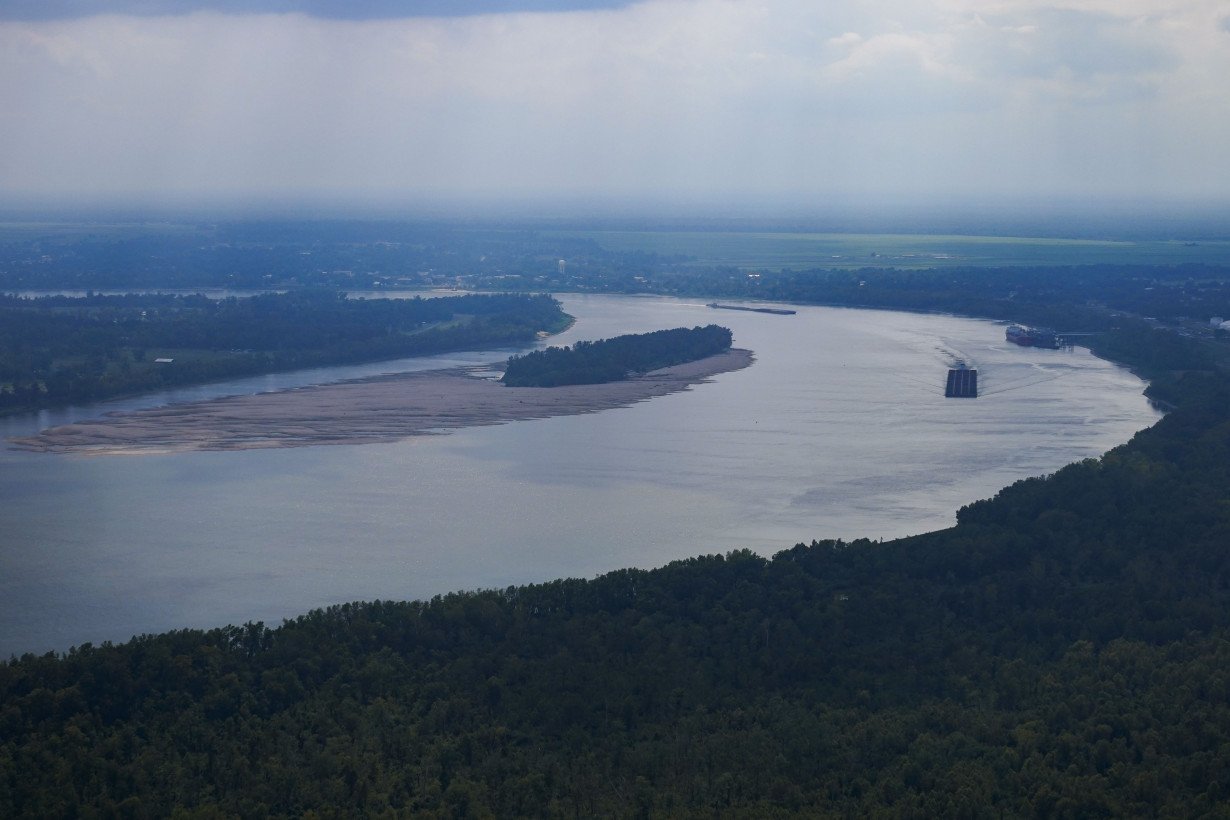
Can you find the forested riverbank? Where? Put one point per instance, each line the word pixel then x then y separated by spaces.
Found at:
pixel 56 350
pixel 1055 653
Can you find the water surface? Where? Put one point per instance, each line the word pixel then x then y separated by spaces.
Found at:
pixel 839 429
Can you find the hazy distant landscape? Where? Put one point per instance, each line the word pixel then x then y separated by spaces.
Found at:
pixel 663 490
pixel 614 408
pixel 799 251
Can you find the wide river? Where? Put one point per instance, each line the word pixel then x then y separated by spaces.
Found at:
pixel 839 429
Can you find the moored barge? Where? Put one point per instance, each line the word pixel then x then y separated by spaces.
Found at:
pixel 1032 336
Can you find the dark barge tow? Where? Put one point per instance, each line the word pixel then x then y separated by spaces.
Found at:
pixel 774 311
pixel 962 382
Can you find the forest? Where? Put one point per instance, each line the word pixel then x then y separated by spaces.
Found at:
pixel 615 359
pixel 56 350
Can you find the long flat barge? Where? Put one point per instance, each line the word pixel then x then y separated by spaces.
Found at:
pixel 774 311
pixel 962 383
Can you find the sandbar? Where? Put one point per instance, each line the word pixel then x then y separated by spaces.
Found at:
pixel 361 411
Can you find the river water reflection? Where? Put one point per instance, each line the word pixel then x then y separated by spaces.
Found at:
pixel 839 429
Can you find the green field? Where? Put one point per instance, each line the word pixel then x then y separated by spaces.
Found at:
pixel 701 248
pixel 832 250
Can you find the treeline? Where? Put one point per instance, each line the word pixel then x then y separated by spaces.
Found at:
pixel 1063 651
pixel 1160 291
pixel 1121 304
pixel 368 254
pixel 373 254
pixel 614 359
pixel 57 350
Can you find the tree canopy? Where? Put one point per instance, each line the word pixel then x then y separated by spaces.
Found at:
pixel 615 359
pixel 61 349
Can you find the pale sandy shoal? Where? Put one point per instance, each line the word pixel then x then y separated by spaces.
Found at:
pixel 363 411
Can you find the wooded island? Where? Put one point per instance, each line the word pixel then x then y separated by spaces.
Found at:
pixel 615 359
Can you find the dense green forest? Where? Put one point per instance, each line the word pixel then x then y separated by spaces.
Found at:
pixel 1064 651
pixel 60 349
pixel 615 359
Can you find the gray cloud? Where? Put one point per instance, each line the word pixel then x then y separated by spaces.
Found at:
pixel 327 9
pixel 663 98
pixel 1225 24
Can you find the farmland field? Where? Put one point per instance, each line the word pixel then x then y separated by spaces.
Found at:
pixel 833 250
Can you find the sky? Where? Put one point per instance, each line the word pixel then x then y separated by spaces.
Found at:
pixel 689 102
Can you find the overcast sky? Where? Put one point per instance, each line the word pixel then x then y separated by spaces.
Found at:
pixel 664 100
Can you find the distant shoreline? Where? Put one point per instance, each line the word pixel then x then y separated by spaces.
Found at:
pixel 362 411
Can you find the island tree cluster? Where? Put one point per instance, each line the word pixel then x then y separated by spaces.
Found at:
pixel 614 359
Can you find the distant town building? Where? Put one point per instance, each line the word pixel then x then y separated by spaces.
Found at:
pixel 562 264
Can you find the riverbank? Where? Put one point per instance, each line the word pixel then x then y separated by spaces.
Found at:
pixel 363 411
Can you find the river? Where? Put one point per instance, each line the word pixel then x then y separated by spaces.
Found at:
pixel 840 429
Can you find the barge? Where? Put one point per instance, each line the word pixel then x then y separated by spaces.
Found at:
pixel 962 383
pixel 1032 337
pixel 774 311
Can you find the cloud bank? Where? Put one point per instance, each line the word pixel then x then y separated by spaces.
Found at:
pixel 665 99
pixel 327 9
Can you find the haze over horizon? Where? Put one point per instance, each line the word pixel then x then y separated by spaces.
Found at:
pixel 765 106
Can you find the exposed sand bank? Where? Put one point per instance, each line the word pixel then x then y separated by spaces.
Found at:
pixel 363 411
